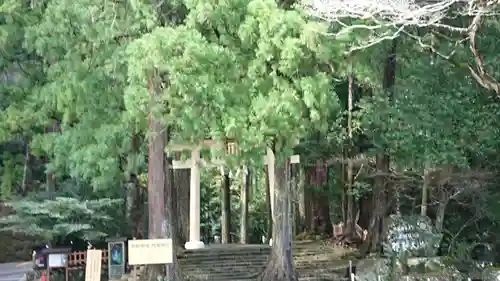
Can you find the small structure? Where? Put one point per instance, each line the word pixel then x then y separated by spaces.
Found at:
pixel 116 257
pixel 53 258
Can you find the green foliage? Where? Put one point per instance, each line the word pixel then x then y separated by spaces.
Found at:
pixel 60 217
pixel 252 70
pixel 76 80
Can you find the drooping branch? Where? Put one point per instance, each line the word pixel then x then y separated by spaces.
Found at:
pixel 478 72
pixel 391 12
pixel 388 19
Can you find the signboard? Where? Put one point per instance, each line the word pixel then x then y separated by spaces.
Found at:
pixel 93 265
pixel 116 256
pixel 57 260
pixel 150 251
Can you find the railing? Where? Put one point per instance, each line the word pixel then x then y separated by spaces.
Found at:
pixel 78 259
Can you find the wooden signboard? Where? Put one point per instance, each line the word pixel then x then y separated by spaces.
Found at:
pixel 150 251
pixel 93 265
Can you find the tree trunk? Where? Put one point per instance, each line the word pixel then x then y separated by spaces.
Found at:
pixel 301 201
pixel 425 194
pixel 268 203
pixel 320 209
pixel 350 224
pixel 441 210
pixel 308 204
pixel 26 170
pixel 245 187
pixel 372 242
pixel 280 266
pixel 156 174
pixel 134 198
pixel 226 208
pixel 51 176
pixel 135 207
pixel 159 216
pixel 172 271
pixel 181 185
pixel 171 198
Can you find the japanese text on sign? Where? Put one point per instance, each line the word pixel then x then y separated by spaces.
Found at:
pixel 150 251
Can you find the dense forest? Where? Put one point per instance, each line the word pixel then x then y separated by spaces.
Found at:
pixel 392 110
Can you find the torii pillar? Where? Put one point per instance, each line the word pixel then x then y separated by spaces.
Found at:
pixel 194 204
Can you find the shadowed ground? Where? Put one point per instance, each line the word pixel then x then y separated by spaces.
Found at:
pixel 14 271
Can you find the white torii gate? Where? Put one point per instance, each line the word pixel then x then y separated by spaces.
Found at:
pixel 195 163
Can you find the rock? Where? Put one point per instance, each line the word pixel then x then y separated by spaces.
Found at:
pixel 491 274
pixel 373 270
pixel 411 236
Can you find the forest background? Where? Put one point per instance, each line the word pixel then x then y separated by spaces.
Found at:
pixel 93 91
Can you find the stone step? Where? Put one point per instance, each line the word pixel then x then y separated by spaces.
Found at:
pixel 222 259
pixel 225 260
pixel 229 250
pixel 246 262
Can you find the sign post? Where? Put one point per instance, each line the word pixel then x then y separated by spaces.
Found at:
pixel 56 258
pixel 116 258
pixel 150 251
pixel 93 265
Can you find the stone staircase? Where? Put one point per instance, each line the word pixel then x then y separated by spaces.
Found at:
pixel 224 262
pixel 233 262
pixel 316 261
pixel 246 262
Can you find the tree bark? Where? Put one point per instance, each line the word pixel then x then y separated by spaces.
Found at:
pixel 159 217
pixel 308 203
pixel 280 266
pixel 425 194
pixel 181 185
pixel 350 223
pixel 226 208
pixel 172 271
pixel 26 170
pixel 51 176
pixel 268 203
pixel 441 210
pixel 375 229
pixel 301 204
pixel 171 203
pixel 245 187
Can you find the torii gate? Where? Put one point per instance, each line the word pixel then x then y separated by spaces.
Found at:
pixel 195 163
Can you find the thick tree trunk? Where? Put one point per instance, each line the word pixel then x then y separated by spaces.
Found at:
pixel 308 203
pixel 135 207
pixel 172 271
pixel 156 180
pixel 301 202
pixel 350 223
pixel 320 209
pixel 441 210
pixel 375 230
pixel 268 203
pixel 373 239
pixel 226 208
pixel 171 199
pixel 280 266
pixel 134 197
pixel 245 188
pixel 181 185
pixel 159 224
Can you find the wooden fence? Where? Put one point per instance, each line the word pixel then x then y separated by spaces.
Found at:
pixel 77 260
